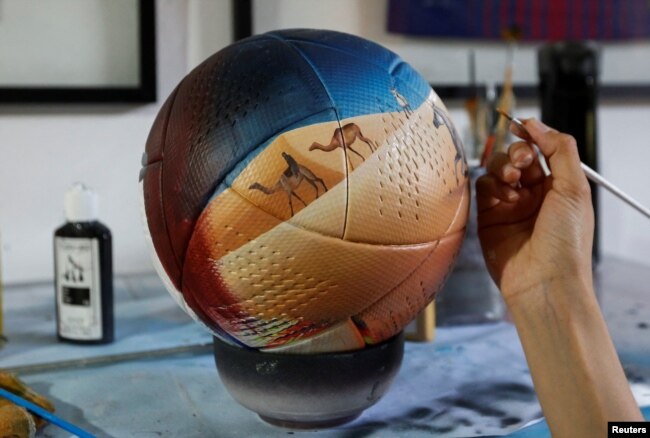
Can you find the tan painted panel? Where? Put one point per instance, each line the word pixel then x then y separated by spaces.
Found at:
pixel 289 274
pixel 283 270
pixel 409 191
pixel 389 315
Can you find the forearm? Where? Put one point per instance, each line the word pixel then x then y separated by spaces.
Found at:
pixel 577 375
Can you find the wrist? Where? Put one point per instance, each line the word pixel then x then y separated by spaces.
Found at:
pixel 577 375
pixel 551 287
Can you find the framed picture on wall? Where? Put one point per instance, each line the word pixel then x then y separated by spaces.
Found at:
pixel 62 51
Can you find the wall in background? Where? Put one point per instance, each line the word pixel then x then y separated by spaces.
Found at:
pixel 209 29
pixel 43 149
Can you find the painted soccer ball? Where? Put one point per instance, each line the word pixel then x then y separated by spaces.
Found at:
pixel 305 191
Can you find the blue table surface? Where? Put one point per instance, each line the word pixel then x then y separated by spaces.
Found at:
pixel 159 378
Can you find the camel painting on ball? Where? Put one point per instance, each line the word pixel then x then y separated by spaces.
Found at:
pixel 289 181
pixel 344 138
pixel 402 101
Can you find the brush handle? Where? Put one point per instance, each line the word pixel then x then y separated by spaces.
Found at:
pixel 598 179
pixel 591 174
pixel 44 414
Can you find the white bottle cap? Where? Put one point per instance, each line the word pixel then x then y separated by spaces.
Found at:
pixel 80 204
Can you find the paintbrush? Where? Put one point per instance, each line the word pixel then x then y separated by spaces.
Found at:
pixel 511 35
pixel 472 106
pixel 506 100
pixel 591 174
pixel 44 414
pixel 498 133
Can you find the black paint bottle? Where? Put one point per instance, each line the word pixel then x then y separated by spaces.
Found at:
pixel 83 272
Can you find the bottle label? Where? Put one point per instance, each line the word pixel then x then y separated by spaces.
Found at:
pixel 78 290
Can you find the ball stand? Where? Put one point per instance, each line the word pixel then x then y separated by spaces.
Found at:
pixel 309 391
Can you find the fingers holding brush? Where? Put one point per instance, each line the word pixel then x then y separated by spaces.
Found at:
pixel 490 191
pixel 519 167
pixel 501 166
pixel 499 183
pixel 561 153
pixel 524 157
pixel 508 187
pixel 521 154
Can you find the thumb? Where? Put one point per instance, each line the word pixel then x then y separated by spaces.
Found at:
pixel 560 151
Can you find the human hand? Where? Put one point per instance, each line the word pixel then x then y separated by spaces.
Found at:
pixel 535 228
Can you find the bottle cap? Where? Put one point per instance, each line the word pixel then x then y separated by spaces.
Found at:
pixel 80 204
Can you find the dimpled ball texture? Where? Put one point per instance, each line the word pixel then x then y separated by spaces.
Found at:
pixel 305 191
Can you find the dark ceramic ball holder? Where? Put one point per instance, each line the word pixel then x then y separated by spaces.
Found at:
pixel 309 391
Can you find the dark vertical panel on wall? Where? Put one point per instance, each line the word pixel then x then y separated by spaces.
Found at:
pixel 242 13
pixel 147 51
pixel 568 78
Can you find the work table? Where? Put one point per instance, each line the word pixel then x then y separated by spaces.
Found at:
pixel 159 377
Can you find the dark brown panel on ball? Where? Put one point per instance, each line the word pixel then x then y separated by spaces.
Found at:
pixel 153 204
pixel 156 139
